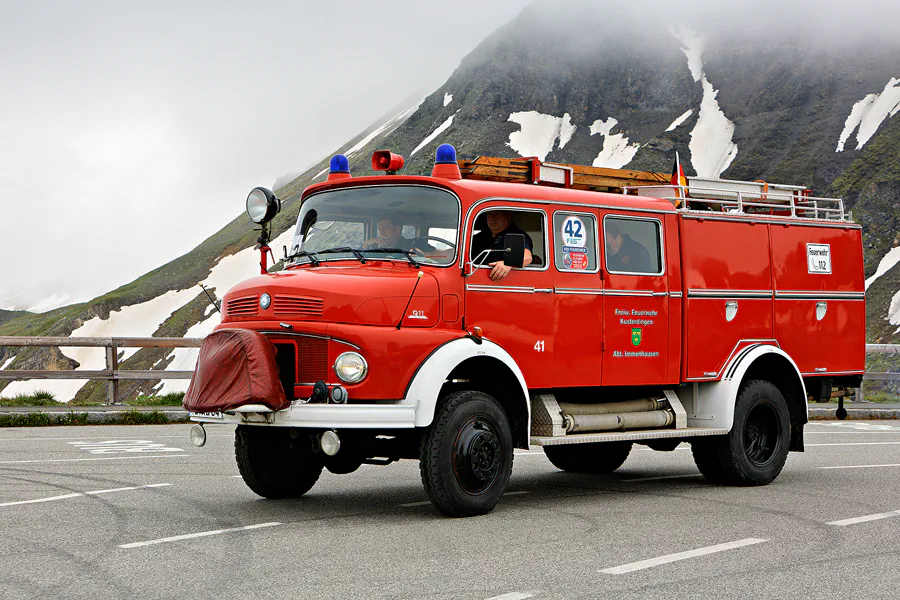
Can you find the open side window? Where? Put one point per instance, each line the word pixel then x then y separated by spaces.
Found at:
pixel 530 222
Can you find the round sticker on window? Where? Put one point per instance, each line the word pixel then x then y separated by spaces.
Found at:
pixel 574 232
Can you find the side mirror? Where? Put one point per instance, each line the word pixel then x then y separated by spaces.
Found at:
pixel 514 255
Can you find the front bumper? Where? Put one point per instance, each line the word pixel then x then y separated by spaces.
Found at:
pixel 319 416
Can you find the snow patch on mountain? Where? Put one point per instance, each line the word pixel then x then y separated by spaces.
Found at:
pixel 142 320
pixel 448 98
pixel 894 311
pixel 712 148
pixel 616 151
pixel 430 138
pixel 539 132
pixel 869 113
pixel 319 174
pixel 7 362
pixel 886 263
pixel 680 120
pixel 185 359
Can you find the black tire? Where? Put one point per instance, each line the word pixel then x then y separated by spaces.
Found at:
pixel 466 455
pixel 588 458
pixel 706 456
pixel 275 464
pixel 755 450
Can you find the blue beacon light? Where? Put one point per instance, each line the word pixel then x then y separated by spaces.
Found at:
pixel 338 168
pixel 445 155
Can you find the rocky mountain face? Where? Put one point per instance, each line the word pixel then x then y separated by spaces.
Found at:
pixel 579 84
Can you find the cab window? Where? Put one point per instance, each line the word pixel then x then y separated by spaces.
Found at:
pixel 491 224
pixel 575 242
pixel 633 245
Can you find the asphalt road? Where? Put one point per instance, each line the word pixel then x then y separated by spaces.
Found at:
pixel 828 527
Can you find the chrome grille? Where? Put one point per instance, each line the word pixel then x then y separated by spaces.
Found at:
pixel 242 307
pixel 298 306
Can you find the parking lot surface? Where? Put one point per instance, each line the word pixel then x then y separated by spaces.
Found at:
pixel 138 512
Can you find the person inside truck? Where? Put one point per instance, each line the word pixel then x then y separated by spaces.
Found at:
pixel 499 223
pixel 623 253
pixel 390 230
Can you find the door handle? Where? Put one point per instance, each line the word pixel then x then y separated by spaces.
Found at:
pixel 543 290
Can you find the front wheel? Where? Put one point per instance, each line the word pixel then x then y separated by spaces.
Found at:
pixel 275 462
pixel 755 450
pixel 466 455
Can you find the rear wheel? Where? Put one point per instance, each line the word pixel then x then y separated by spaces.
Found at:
pixel 588 458
pixel 275 462
pixel 755 450
pixel 466 455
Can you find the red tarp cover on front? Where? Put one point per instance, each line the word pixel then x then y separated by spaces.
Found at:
pixel 236 367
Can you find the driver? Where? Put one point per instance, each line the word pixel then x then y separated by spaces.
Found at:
pixel 390 230
pixel 499 223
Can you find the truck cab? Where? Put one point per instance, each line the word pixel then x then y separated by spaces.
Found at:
pixel 608 308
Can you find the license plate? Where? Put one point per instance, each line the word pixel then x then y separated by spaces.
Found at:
pixel 208 415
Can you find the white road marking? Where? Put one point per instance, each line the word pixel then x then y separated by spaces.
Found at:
pixel 58 460
pixel 63 439
pixel 689 475
pixel 668 558
pixel 856 444
pixel 514 596
pixel 80 494
pixel 130 446
pixel 190 536
pixel 541 453
pixel 862 466
pixel 859 426
pixel 875 517
pixel 427 502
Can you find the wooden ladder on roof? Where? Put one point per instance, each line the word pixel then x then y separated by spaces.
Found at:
pixel 579 177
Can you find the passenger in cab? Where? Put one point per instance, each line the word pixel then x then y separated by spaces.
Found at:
pixel 623 253
pixel 499 223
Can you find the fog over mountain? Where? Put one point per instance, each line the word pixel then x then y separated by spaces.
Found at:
pixel 797 93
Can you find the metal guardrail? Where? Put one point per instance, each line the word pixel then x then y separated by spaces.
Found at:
pixel 112 374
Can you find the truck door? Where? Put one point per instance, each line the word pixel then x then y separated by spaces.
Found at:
pixel 517 311
pixel 636 301
pixel 578 299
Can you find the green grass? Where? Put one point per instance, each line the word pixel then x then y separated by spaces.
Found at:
pixel 39 398
pixel 131 417
pixel 173 399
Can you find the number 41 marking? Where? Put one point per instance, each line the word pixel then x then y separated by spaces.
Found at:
pixel 539 346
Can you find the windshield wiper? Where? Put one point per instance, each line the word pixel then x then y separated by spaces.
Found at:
pixel 300 254
pixel 406 253
pixel 355 253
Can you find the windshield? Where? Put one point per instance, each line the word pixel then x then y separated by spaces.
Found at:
pixel 385 222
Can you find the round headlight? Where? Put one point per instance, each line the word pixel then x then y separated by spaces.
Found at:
pixel 262 205
pixel 265 301
pixel 351 367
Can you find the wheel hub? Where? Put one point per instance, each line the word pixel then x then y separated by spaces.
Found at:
pixel 477 456
pixel 761 434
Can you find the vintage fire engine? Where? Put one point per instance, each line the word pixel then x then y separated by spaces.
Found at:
pixel 598 308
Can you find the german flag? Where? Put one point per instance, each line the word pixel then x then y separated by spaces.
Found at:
pixel 679 181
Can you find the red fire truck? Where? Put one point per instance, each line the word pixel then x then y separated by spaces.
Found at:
pixel 501 304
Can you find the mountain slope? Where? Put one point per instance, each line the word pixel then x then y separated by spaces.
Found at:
pixel 574 84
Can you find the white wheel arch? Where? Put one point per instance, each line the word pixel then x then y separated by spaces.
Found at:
pixel 425 388
pixel 712 404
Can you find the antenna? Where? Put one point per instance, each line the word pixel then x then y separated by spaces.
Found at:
pixel 418 279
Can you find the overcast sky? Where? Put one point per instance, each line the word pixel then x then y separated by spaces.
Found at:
pixel 132 131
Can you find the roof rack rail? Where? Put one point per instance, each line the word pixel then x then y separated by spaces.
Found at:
pixel 746 197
